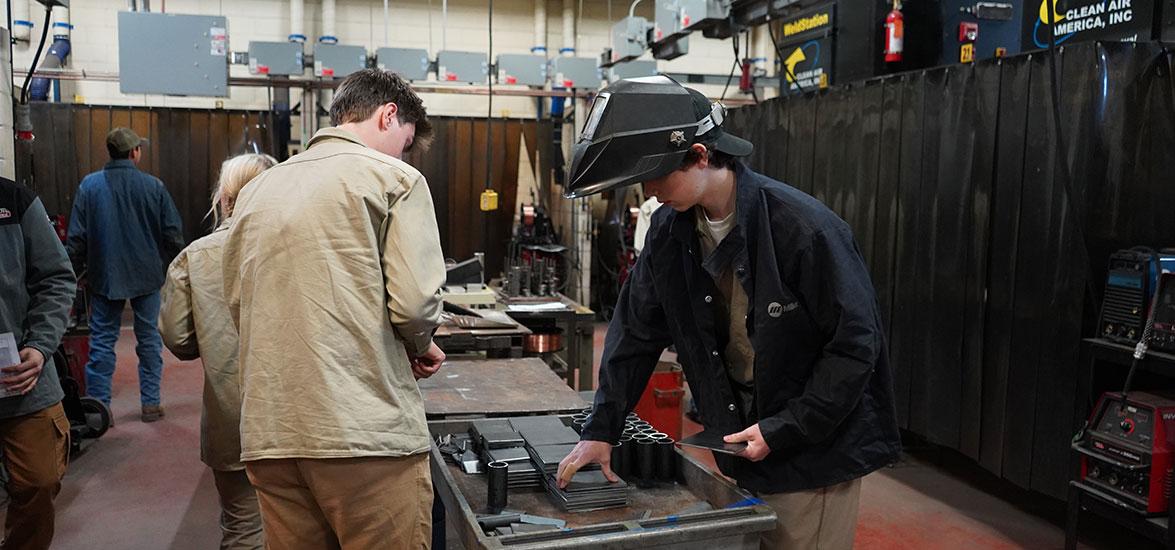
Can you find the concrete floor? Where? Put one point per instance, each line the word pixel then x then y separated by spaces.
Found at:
pixel 142 486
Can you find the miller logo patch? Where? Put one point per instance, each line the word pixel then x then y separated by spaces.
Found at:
pixel 677 137
pixel 775 309
pixel 5 213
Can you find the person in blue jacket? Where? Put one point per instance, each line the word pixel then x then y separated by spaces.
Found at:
pixel 767 299
pixel 125 230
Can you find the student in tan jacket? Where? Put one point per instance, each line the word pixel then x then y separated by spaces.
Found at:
pixel 333 270
pixel 195 323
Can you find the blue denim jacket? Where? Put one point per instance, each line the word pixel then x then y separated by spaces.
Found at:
pixel 823 390
pixel 125 229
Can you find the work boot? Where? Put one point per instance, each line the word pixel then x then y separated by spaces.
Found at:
pixel 151 413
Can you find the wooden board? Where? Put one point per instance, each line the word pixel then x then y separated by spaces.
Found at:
pixel 497 387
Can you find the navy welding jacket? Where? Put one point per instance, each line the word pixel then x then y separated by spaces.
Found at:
pixel 823 391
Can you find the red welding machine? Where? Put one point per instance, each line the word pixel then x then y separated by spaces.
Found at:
pixel 1127 449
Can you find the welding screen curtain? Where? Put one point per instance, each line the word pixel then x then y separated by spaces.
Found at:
pixel 954 184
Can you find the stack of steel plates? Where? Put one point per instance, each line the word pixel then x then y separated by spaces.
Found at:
pixel 544 430
pixel 587 490
pixel 548 442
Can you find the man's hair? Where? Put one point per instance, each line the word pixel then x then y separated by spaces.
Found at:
pixel 362 92
pixel 718 159
pixel 115 154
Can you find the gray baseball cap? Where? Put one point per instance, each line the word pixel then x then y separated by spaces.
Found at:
pixel 123 139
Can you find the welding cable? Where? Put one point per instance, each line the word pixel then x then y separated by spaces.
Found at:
pixel 490 108
pixel 24 90
pixel 489 125
pixel 734 45
pixel 8 4
pixel 787 70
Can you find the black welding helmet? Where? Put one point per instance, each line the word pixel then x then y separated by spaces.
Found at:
pixel 640 129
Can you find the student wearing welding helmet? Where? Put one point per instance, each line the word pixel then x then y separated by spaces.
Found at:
pixel 765 294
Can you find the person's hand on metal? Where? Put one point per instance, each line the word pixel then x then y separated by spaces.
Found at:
pixel 23 378
pixel 757 448
pixel 429 362
pixel 584 453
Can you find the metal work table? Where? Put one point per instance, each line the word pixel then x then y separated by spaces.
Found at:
pixel 466 389
pixel 576 322
pixel 496 387
pixel 653 519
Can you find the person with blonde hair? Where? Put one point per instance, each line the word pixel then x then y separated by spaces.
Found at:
pixel 195 323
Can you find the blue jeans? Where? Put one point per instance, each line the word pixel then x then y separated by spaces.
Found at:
pixel 105 323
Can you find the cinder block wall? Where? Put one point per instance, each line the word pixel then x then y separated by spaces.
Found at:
pixel 414 23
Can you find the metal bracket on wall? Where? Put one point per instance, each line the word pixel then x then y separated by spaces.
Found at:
pixel 994 11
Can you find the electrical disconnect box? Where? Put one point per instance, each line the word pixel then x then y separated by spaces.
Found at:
pixel 172 54
pixel 276 58
pixel 337 60
pixel 632 69
pixel 471 67
pixel 528 70
pixel 677 18
pixel 409 63
pixel 575 72
pixel 630 39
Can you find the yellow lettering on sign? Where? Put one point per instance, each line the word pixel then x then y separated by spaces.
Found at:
pixel 806 24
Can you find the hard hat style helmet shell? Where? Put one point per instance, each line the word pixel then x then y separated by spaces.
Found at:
pixel 640 129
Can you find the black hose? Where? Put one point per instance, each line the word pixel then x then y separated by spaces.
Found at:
pixel 10 38
pixel 490 109
pixel 24 90
pixel 788 71
pixel 489 123
pixel 734 44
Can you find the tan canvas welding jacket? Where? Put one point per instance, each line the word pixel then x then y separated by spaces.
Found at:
pixel 194 322
pixel 332 272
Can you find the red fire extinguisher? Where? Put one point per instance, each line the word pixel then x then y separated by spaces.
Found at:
pixel 894 33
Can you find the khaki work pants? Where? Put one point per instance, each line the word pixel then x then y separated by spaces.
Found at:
pixel 345 503
pixel 240 515
pixel 36 452
pixel 820 519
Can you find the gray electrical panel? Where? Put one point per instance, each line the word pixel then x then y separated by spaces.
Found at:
pixel 276 58
pixel 667 20
pixel 630 39
pixel 528 70
pixel 469 67
pixel 411 64
pixel 172 54
pixel 676 18
pixel 632 69
pixel 576 72
pixel 337 60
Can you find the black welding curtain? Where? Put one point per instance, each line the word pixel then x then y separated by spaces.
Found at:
pixel 952 182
